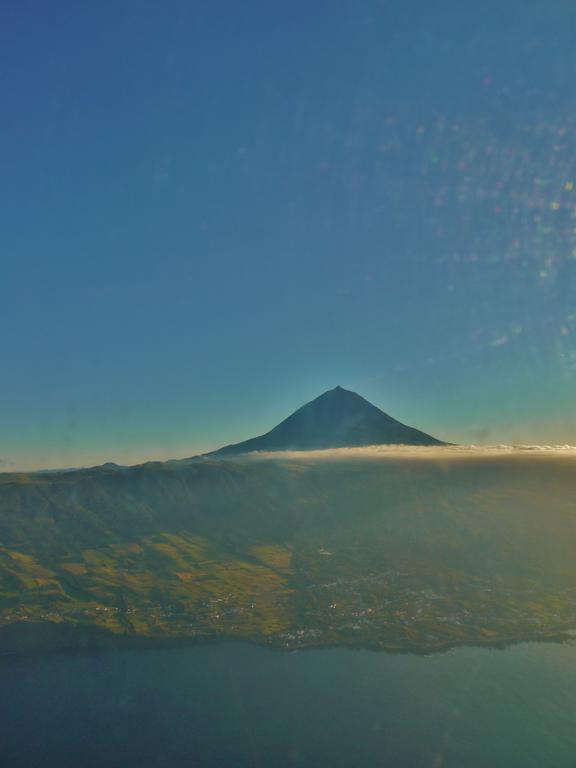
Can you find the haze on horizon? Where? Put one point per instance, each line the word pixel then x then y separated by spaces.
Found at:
pixel 238 207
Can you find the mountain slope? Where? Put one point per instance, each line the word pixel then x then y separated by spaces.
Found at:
pixel 395 553
pixel 338 418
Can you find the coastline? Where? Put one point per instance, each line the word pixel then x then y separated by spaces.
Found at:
pixel 39 639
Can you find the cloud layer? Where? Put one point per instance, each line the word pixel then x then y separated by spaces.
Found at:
pixel 418 452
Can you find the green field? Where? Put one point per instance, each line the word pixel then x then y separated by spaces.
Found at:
pixel 393 554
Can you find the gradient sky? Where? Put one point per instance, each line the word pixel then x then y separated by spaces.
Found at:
pixel 214 211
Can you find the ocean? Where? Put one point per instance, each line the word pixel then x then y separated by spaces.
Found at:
pixel 243 706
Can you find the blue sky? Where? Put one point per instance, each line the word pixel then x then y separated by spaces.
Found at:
pixel 213 212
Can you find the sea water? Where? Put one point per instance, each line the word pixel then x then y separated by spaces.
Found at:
pixel 238 705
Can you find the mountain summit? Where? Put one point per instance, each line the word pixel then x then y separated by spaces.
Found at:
pixel 337 419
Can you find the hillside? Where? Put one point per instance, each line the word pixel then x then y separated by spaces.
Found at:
pixel 402 554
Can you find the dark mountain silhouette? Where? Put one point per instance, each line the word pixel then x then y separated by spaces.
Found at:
pixel 338 418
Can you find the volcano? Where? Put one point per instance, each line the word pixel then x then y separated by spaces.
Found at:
pixel 338 418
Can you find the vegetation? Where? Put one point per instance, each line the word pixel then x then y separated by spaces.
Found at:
pixel 394 554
